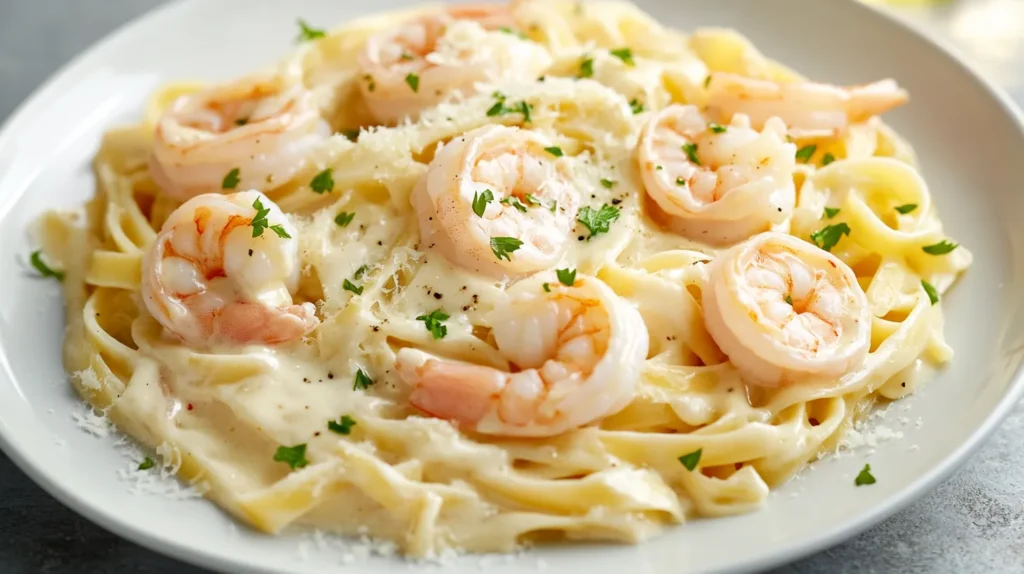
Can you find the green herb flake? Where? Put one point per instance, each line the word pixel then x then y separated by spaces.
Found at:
pixel 827 237
pixel 830 212
pixel 360 272
pixel 344 218
pixel 293 456
pixel 342 426
pixel 241 121
pixel 532 199
pixel 146 464
pixel 691 460
pixel 707 81
pixel 351 135
pixel 371 85
pixel 480 201
pixel 349 286
pixel 804 154
pixel 362 381
pixel 323 182
pixel 907 208
pixel 414 82
pixel 259 221
pixel 508 30
pixel 865 476
pixel 566 276
pixel 503 246
pixel 636 106
pixel 716 128
pixel 598 221
pixel 827 159
pixel 514 202
pixel 789 299
pixel 554 150
pixel 547 287
pixel 691 152
pixel 280 231
pixel 434 323
pixel 231 179
pixel 941 248
pixel 929 289
pixel 607 183
pixel 680 181
pixel 624 54
pixel 307 33
pixel 36 259
pixel 587 68
pixel 406 57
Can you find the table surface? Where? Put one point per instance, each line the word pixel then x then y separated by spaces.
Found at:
pixel 974 522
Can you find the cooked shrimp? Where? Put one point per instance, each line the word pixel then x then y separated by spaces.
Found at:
pixel 222 270
pixel 577 352
pixel 262 126
pixel 809 109
pixel 785 311
pixel 418 64
pixel 527 196
pixel 717 184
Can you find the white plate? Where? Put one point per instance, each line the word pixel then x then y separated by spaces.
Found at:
pixel 971 148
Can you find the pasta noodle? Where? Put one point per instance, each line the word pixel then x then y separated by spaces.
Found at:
pixel 321 427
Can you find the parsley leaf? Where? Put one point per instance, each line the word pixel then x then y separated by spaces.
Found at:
pixel 586 68
pixel 865 476
pixel 323 182
pixel 680 181
pixel 941 248
pixel 259 221
pixel 360 272
pixel 933 295
pixel 624 54
pixel 804 154
pixel 554 150
pixel 707 81
pixel 831 212
pixel 293 456
pixel 362 381
pixel 690 460
pixel 280 231
pixel 480 201
pixel 414 82
pixel 371 84
pixel 508 30
pixel 502 246
pixel 351 135
pixel 716 128
pixel 349 286
pixel 344 218
pixel 308 33
pixel 36 259
pixel 406 56
pixel 499 108
pixel 691 152
pixel 789 299
pixel 566 276
pixel 231 179
pixel 433 323
pixel 146 464
pixel 598 221
pixel 636 106
pixel 343 426
pixel 905 209
pixel 547 287
pixel 514 202
pixel 827 159
pixel 607 183
pixel 532 200
pixel 827 237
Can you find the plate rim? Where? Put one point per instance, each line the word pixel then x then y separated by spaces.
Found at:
pixel 40 97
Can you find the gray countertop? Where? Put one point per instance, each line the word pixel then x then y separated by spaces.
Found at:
pixel 972 523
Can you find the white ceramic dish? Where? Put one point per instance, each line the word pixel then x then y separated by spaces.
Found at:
pixel 969 139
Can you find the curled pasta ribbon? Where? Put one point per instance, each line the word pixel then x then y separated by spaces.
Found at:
pixel 785 311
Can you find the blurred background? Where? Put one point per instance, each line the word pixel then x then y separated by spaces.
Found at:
pixel 973 523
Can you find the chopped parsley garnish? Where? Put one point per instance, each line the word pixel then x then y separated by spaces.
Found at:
pixel 554 205
pixel 547 287
pixel 241 121
pixel 351 135
pixel 707 81
pixel 371 85
pixel 405 57
pixel 933 295
pixel 508 30
pixel 414 81
pixel 566 276
pixel 598 221
pixel 690 460
pixel 307 33
pixel 907 208
pixel 804 154
pixel 607 183
pixel 480 201
pixel 499 108
pixel 865 476
pixel 342 426
pixel 434 323
pixel 360 272
pixel 231 179
pixel 716 128
pixel 524 108
pixel 36 259
pixel 362 381
pixel 293 456
pixel 344 218
pixel 514 202
pixel 349 286
pixel 680 181
pixel 636 106
pixel 502 246
pixel 789 299
pixel 532 200
pixel 323 182
pixel 691 152
pixel 827 159
pixel 624 54
pixel 941 248
pixel 827 237
pixel 260 223
pixel 554 150
pixel 831 212
pixel 587 68
pixel 146 464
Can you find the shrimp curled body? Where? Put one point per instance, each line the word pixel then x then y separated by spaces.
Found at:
pixel 209 281
pixel 263 126
pixel 533 201
pixel 579 351
pixel 717 184
pixel 785 311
